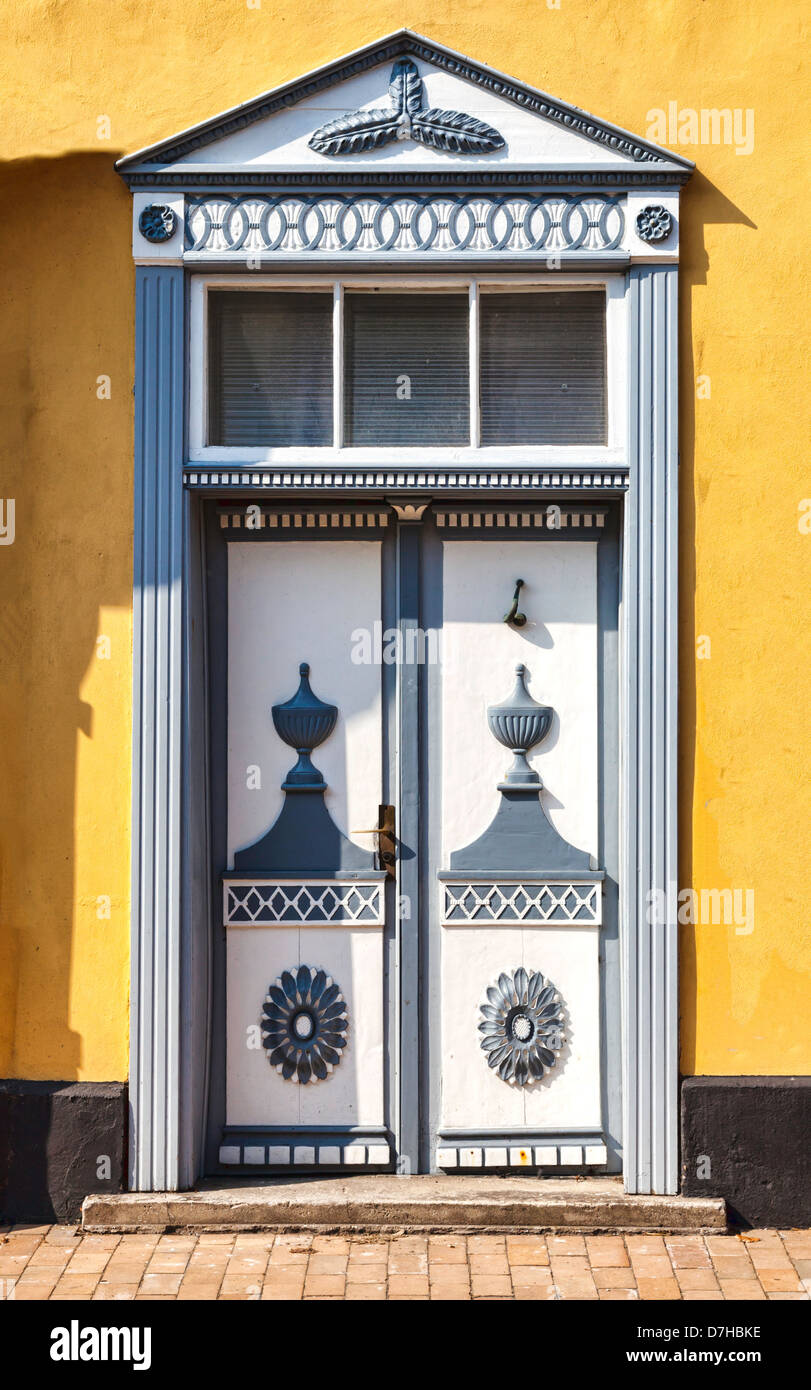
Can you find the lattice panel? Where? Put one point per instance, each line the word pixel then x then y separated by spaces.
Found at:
pixel 554 903
pixel 271 902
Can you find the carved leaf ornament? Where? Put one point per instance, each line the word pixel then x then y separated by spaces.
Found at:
pixel 406 119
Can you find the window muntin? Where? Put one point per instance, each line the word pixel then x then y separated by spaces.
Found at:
pixel 543 368
pixel 270 368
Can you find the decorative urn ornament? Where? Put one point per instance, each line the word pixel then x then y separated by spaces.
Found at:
pixel 303 722
pixel 520 723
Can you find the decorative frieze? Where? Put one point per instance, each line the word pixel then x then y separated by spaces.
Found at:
pixel 374 479
pixel 335 1152
pixel 550 518
pixel 529 1155
pixel 252 517
pixel 365 224
pixel 268 902
pixel 550 904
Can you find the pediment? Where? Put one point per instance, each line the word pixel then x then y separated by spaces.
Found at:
pixel 405 106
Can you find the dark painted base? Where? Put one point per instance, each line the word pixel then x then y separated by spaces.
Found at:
pixel 59 1141
pixel 748 1139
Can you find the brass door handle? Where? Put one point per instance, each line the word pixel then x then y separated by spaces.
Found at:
pixel 386 839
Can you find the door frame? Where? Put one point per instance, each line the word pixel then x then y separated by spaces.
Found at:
pixel 170 1011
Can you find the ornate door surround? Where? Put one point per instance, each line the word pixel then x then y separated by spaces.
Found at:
pixel 563 194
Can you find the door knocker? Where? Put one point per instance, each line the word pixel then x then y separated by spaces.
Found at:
pixel 514 618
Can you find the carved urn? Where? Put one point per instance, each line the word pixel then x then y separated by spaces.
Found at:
pixel 519 723
pixel 303 722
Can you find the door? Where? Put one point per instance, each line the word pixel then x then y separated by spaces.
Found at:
pixel 413 845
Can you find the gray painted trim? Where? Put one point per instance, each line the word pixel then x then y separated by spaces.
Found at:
pixel 243 180
pixel 409 833
pixel 650 602
pixel 524 1136
pixel 156 991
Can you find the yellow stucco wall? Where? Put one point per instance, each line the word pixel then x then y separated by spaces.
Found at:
pixel 154 66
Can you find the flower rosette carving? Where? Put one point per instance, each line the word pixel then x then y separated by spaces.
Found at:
pixel 305 1024
pixel 157 222
pixel 521 1027
pixel 654 223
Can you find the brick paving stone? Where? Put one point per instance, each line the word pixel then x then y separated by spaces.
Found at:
pixel 566 1245
pixel 645 1245
pixel 491 1286
pixel 524 1250
pixel 779 1281
pixel 61 1264
pixel 688 1252
pixel 316 1284
pixel 694 1279
pixel 606 1251
pixel 448 1274
pixel 741 1288
pixel 729 1267
pixel 658 1288
pixel 651 1266
pixel 358 1272
pixel 614 1279
pixel 495 1264
pixel 413 1284
pixel 569 1265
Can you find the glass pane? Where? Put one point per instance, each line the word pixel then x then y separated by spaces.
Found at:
pixel 406 369
pixel 543 368
pixel 270 367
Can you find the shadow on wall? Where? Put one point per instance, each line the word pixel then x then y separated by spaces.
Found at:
pixel 702 204
pixel 65 385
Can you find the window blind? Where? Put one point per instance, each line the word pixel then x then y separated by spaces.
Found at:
pixel 543 368
pixel 406 369
pixel 270 368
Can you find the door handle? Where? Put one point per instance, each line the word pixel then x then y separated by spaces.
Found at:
pixel 386 839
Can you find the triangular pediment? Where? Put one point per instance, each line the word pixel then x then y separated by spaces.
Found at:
pixel 405 105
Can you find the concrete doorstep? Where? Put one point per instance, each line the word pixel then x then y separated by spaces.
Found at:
pixel 393 1203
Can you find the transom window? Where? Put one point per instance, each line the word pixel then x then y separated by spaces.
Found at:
pixel 355 367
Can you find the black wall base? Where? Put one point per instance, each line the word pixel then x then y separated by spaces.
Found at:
pixel 748 1139
pixel 58 1142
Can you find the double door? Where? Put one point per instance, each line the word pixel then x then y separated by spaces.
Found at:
pixel 414 759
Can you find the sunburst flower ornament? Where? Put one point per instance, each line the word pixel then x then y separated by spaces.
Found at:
pixel 305 1025
pixel 522 1027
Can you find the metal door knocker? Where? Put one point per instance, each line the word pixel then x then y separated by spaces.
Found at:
pixel 515 618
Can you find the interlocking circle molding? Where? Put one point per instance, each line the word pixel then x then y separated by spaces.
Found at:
pixel 371 223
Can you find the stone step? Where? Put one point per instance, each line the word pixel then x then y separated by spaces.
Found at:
pixel 392 1203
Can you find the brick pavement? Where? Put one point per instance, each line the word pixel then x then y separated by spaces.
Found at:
pixel 59 1262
